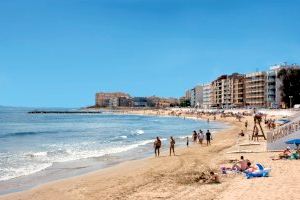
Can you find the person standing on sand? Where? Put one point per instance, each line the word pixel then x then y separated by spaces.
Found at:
pixel 194 136
pixel 200 136
pixel 208 137
pixel 246 125
pixel 157 145
pixel 187 141
pixel 172 145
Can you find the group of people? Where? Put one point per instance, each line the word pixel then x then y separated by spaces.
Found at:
pixel 243 165
pixel 196 137
pixel 157 146
pixel 270 123
pixel 289 154
pixel 200 137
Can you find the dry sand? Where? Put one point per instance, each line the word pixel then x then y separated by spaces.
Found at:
pixel 180 177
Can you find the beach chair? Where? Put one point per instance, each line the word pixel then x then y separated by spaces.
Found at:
pixel 261 172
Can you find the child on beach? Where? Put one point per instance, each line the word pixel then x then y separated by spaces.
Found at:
pixel 214 178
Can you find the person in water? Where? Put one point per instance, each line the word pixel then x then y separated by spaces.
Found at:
pixel 172 145
pixel 208 137
pixel 157 145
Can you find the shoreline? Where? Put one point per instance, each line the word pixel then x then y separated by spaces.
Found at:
pixel 28 183
pixel 156 178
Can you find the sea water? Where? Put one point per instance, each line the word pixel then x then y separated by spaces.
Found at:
pixel 34 143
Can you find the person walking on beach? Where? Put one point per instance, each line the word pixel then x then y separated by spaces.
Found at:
pixel 172 145
pixel 157 145
pixel 200 136
pixel 194 136
pixel 208 137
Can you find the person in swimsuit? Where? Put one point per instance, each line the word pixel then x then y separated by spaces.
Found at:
pixel 157 145
pixel 194 136
pixel 172 145
pixel 241 165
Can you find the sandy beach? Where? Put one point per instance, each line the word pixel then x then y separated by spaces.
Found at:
pixel 179 177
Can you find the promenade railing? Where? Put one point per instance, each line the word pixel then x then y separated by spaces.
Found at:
pixel 283 130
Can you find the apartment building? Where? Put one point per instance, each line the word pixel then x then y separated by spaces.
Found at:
pixel 273 85
pixel 188 94
pixel 258 89
pixel 237 88
pixel 206 96
pixel 227 91
pixel 114 99
pixel 197 96
pixel 217 91
pixel 255 88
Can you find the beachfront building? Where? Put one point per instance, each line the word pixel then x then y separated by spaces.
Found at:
pixel 258 89
pixel 273 85
pixel 255 89
pixel 227 91
pixel 197 96
pixel 188 95
pixel 236 88
pixel 193 98
pixel 104 99
pixel 216 91
pixel 206 96
pixel 140 102
pixel 160 102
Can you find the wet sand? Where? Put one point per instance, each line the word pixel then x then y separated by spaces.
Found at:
pixel 181 176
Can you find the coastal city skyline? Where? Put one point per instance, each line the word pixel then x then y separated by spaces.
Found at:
pixel 59 53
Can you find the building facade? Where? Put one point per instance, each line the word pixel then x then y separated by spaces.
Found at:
pixel 114 99
pixel 227 91
pixel 206 96
pixel 255 89
pixel 197 96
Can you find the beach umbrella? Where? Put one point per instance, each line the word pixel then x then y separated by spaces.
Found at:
pixel 293 141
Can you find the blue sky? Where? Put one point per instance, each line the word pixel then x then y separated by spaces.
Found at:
pixel 61 52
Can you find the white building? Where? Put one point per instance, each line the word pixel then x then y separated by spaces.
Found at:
pixel 197 96
pixel 206 96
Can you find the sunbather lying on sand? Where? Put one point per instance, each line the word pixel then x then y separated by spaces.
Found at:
pixel 284 155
